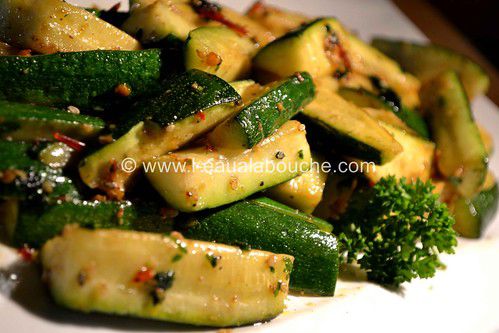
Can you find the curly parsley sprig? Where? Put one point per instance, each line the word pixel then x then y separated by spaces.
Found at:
pixel 395 231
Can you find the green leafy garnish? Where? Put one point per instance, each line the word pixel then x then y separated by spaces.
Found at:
pixel 395 231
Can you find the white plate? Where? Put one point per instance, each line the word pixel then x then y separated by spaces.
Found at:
pixel 462 298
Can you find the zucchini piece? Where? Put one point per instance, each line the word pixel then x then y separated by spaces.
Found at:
pixel 388 117
pixel 264 224
pixel 52 26
pixel 190 282
pixel 82 79
pixel 330 118
pixel 364 98
pixel 32 122
pixel 277 20
pixel 310 48
pixel 324 47
pixel 207 177
pixel 427 61
pixel 252 29
pixel 413 163
pixel 265 112
pixel 220 51
pixel 36 224
pixel 152 21
pixel 367 60
pixel 23 176
pixel 487 139
pixel 303 192
pixel 191 104
pixel 472 216
pixel 461 153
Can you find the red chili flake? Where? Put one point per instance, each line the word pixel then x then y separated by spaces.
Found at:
pixel 120 213
pixel 213 59
pixel 343 55
pixel 123 89
pixel 200 115
pixel 299 76
pixel 143 275
pixel 210 11
pixel 26 253
pixel 210 147
pixel 166 213
pixel 25 52
pixel 257 7
pixel 73 143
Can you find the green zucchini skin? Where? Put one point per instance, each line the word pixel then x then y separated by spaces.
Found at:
pixel 322 134
pixel 263 224
pixel 364 98
pixel 36 224
pixel 182 96
pixel 33 177
pixel 428 61
pixel 268 112
pixel 19 121
pixel 84 79
pixel 462 154
pixel 473 216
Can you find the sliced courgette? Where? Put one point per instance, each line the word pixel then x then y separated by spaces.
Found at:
pixel 427 61
pixel 347 129
pixel 23 176
pixel 324 47
pixel 370 62
pixel 277 20
pixel 82 79
pixel 315 48
pixel 413 163
pixel 36 224
pixel 264 224
pixel 191 104
pixel 220 51
pixel 364 98
pixel 52 26
pixel 152 21
pixel 473 215
pixel 33 122
pixel 303 192
pixel 461 154
pixel 165 278
pixel 266 110
pixel 206 177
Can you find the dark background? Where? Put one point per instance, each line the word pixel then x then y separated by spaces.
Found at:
pixel 478 20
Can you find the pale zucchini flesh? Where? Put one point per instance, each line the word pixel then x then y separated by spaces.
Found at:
pixel 51 26
pixel 413 163
pixel 349 129
pixel 277 20
pixel 219 51
pixel 369 61
pixel 218 176
pixel 203 283
pixel 303 192
pixel 141 143
pixel 152 21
